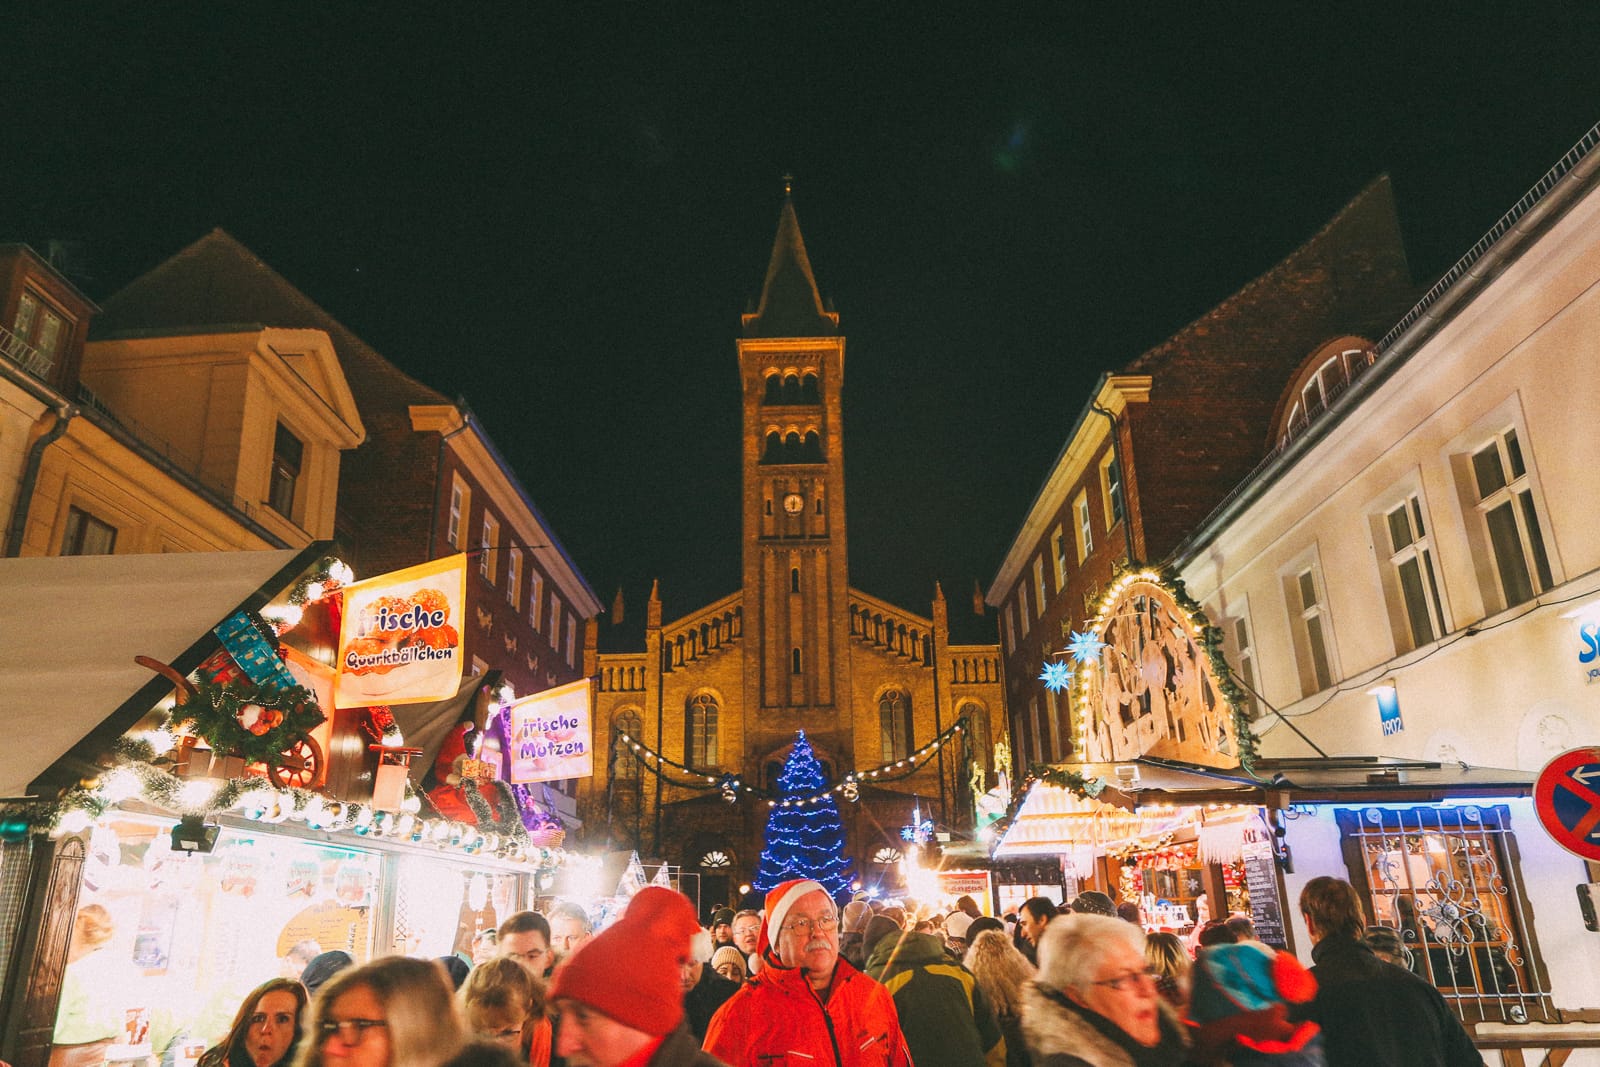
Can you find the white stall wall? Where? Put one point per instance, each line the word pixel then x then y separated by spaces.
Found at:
pixel 1549 876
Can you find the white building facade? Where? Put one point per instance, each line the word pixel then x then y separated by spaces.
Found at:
pixel 1415 571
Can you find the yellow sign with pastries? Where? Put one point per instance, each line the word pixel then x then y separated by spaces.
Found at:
pixel 400 636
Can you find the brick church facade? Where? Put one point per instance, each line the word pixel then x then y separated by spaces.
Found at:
pixel 724 689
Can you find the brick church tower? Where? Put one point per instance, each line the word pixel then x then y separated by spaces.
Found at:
pixel 723 690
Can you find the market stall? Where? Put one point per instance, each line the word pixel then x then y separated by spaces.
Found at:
pixel 234 803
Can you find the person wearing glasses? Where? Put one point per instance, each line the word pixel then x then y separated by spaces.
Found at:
pixel 806 1004
pixel 392 1012
pixel 1094 1002
pixel 265 1030
pixel 525 937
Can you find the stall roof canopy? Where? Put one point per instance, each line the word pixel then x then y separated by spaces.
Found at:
pixel 71 625
pixel 1053 818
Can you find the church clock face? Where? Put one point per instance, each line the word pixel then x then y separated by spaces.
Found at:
pixel 793 503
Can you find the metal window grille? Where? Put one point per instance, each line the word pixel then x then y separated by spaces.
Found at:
pixel 1447 879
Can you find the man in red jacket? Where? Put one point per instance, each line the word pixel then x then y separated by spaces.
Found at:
pixel 807 1004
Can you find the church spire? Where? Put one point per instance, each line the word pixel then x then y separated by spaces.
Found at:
pixel 790 304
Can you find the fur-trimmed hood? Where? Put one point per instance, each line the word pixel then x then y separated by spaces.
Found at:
pixel 1054 1028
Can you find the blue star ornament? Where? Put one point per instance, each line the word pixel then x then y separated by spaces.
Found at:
pixel 1057 675
pixel 1084 648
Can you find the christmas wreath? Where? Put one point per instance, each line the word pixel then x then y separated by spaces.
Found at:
pixel 242 718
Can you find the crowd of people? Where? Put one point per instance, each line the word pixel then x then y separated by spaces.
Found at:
pixel 804 982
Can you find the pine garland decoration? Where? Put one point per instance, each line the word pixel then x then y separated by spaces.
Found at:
pixel 212 714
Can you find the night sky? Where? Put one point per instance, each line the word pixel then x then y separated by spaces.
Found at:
pixel 561 220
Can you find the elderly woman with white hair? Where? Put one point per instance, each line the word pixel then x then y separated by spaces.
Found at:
pixel 1094 1002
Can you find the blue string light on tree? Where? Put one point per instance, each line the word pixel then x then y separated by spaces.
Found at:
pixel 805 838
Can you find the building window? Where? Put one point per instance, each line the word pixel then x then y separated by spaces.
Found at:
pixel 894 724
pixel 1038 584
pixel 555 619
pixel 455 532
pixel 1011 633
pixel 86 535
pixel 1311 631
pixel 1080 512
pixel 1024 617
pixel 1413 581
pixel 626 765
pixel 794 579
pixel 514 577
pixel 535 597
pixel 1111 489
pixel 1244 655
pixel 36 335
pixel 1505 502
pixel 794 661
pixel 1059 544
pixel 487 551
pixel 1439 877
pixel 700 746
pixel 572 640
pixel 288 451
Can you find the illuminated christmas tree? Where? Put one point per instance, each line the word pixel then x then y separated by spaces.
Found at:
pixel 805 838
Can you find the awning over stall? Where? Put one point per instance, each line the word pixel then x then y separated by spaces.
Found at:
pixel 71 625
pixel 1145 797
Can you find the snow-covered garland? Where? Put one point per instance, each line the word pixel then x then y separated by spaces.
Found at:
pixel 134 774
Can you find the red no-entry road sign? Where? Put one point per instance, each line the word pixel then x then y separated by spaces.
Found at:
pixel 1567 798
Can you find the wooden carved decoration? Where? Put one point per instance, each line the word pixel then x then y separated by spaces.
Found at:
pixel 1152 689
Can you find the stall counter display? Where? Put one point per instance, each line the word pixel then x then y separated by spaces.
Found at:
pixel 199 931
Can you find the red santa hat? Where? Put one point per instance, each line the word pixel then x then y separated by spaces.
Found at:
pixel 779 900
pixel 629 970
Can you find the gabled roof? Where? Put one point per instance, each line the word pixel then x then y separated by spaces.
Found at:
pixel 1366 229
pixel 790 304
pixel 217 283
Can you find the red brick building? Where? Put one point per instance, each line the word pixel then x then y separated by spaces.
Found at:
pixel 1163 440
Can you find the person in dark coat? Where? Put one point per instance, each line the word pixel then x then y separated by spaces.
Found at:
pixel 943 1010
pixel 704 990
pixel 1372 1013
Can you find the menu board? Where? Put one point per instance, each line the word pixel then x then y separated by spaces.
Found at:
pixel 1261 879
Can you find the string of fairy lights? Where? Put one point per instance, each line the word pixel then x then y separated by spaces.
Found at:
pixel 732 785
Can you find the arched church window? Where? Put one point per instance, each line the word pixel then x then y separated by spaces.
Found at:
pixel 774 449
pixel 794 579
pixel 894 724
pixel 794 660
pixel 808 390
pixel 887 855
pixel 791 389
pixel 774 390
pixel 791 447
pixel 627 766
pixel 811 451
pixel 700 746
pixel 716 860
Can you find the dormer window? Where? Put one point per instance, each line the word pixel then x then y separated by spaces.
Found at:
pixel 1320 381
pixel 36 335
pixel 288 453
